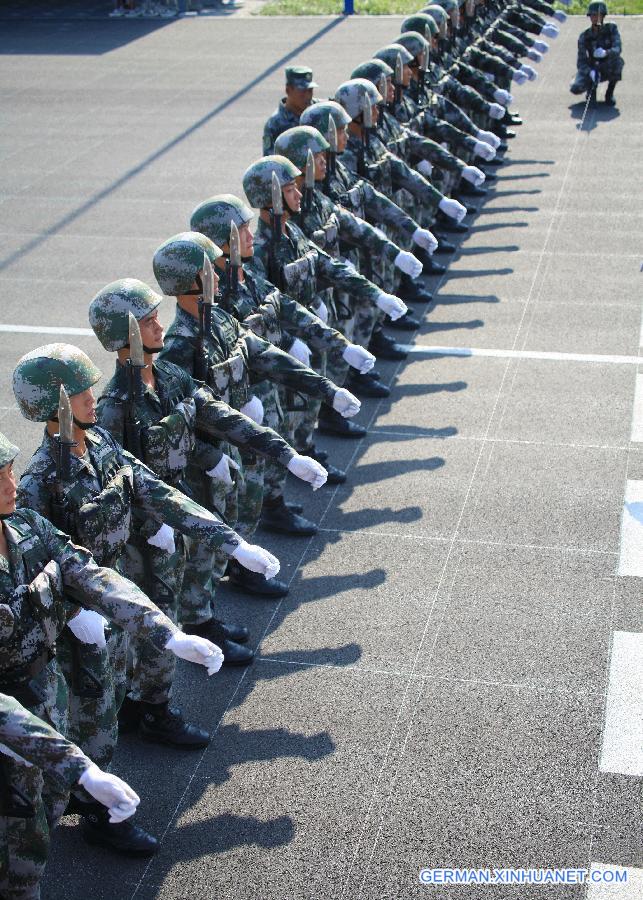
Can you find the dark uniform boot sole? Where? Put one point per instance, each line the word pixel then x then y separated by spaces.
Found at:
pixel 100 838
pixel 404 323
pixel 192 741
pixel 369 387
pixel 293 524
pixel 349 430
pixel 261 587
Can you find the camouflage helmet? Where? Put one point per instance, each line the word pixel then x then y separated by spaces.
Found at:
pixel 597 8
pixel 390 53
pixel 319 114
pixel 214 216
pixel 295 143
pixel 257 179
pixel 351 94
pixel 420 22
pixel 8 451
pixel 373 70
pixel 439 16
pixel 39 374
pixel 449 6
pixel 110 308
pixel 178 261
pixel 414 42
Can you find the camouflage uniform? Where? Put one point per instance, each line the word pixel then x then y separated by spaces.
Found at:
pixel 609 69
pixel 283 119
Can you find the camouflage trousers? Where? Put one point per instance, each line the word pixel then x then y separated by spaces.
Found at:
pixel 304 421
pixel 24 842
pixel 277 417
pixel 97 681
pixel 609 69
pixel 205 568
pixel 150 672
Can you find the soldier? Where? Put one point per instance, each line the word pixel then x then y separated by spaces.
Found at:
pixel 157 420
pixel 599 55
pixel 37 759
pixel 299 96
pixel 93 496
pixel 46 584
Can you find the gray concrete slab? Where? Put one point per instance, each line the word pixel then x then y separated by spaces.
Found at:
pixel 431 691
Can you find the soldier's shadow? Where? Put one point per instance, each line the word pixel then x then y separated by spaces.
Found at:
pixel 595 114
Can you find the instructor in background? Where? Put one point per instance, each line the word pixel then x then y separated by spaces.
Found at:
pixel 599 55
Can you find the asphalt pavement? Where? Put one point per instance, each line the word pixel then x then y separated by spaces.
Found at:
pixel 434 691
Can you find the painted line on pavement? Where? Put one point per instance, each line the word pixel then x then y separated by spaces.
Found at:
pixel 43 329
pixel 637 416
pixel 632 889
pixel 631 555
pixel 420 350
pixel 622 749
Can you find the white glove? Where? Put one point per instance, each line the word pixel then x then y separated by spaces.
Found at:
pixel 594 75
pixel 424 239
pixel 358 358
pixel 111 791
pixel 473 175
pixel 407 263
pixel 489 76
pixel 197 650
pixel 222 470
pixel 346 404
pixel 600 53
pixel 424 167
pixel 163 539
pixel 519 76
pixel 542 46
pixel 322 312
pixel 308 470
pixel 254 409
pixel 89 627
pixel 392 306
pixel 502 96
pixel 497 111
pixel 452 209
pixel 560 15
pixel 485 150
pixel 255 558
pixel 529 71
pixel 300 351
pixel 534 55
pixel 489 138
pixel 550 31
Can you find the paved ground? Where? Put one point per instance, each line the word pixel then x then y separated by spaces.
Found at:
pixel 433 690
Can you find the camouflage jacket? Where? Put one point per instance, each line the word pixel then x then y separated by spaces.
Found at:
pixel 106 485
pixel 274 316
pixel 413 146
pixel 303 268
pixel 358 195
pixel 281 120
pixel 33 740
pixel 43 581
pixel 174 413
pixel 488 62
pixel 233 353
pixel 441 119
pixel 510 37
pixel 608 38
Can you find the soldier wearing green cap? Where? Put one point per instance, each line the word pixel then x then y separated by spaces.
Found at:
pixel 299 96
pixel 599 55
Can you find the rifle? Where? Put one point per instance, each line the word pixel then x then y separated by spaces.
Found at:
pixel 64 441
pixel 423 71
pixel 398 81
pixel 233 264
pixel 134 366
pixel 205 320
pixel 309 182
pixel 367 128
pixel 331 153
pixel 276 218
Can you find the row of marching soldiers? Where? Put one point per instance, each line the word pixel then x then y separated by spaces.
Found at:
pixel 162 481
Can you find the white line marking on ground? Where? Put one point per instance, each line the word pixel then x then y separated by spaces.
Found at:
pixel 631 558
pixel 637 417
pixel 641 332
pixel 421 350
pixel 622 749
pixel 44 329
pixel 632 889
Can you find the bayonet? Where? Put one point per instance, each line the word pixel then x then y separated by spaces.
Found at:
pixel 206 302
pixel 399 78
pixel 64 441
pixel 136 354
pixel 331 153
pixel 276 215
pixel 134 366
pixel 234 263
pixel 309 182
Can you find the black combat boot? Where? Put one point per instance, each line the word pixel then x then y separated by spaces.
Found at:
pixel 164 724
pixel 332 422
pixel 335 475
pixel 412 291
pixel 228 637
pixel 405 323
pixel 367 386
pixel 276 516
pixel 125 837
pixel 609 93
pixel 383 345
pixel 255 582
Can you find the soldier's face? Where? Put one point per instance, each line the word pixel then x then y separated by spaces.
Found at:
pixel 376 114
pixel 151 331
pixel 292 197
pixel 299 99
pixel 7 490
pixel 407 75
pixel 342 139
pixel 594 18
pixel 246 241
pixel 390 91
pixel 320 165
pixel 83 406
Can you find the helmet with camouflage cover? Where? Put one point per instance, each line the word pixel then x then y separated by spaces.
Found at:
pixel 390 53
pixel 372 70
pixel 8 451
pixel 439 16
pixel 178 261
pixel 39 374
pixel 319 114
pixel 451 8
pixel 414 42
pixel 110 308
pixel 257 179
pixel 597 8
pixel 214 216
pixel 295 143
pixel 420 22
pixel 352 94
